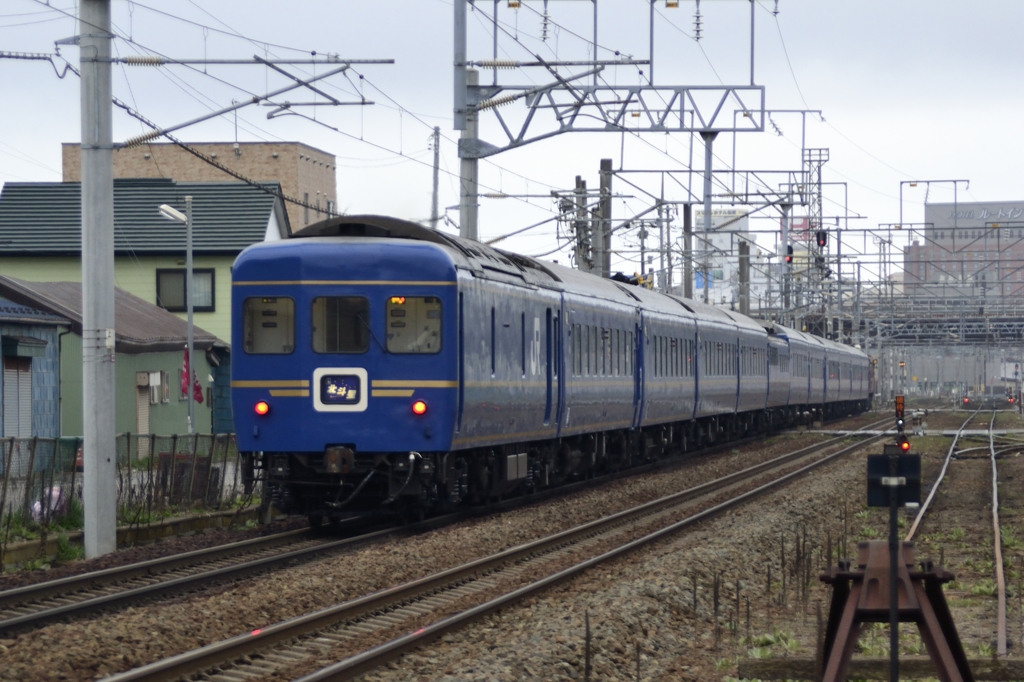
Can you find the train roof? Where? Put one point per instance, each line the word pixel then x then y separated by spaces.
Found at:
pixel 488 262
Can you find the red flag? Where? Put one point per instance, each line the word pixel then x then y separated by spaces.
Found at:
pixel 197 388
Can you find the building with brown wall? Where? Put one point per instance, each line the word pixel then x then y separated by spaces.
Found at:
pixel 973 250
pixel 305 173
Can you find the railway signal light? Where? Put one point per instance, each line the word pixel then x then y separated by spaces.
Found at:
pixel 903 443
pixel 789 253
pixel 822 237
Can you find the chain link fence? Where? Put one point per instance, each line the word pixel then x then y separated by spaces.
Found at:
pixel 157 477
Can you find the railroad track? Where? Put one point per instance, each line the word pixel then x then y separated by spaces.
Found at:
pixel 461 594
pixel 41 603
pixel 1000 580
pixel 34 605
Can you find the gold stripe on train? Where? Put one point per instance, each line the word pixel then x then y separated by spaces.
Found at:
pixel 271 383
pixel 332 282
pixel 412 383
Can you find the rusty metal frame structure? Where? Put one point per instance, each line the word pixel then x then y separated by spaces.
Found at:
pixel 862 596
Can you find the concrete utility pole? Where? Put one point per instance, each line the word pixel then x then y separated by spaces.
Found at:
pixel 437 163
pixel 99 494
pixel 469 201
pixel 688 251
pixel 604 238
pixel 709 137
pixel 744 249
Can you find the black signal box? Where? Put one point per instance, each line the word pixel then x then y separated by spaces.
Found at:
pixel 906 478
pixel 899 407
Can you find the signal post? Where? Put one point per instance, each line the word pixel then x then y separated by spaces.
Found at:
pixel 898 593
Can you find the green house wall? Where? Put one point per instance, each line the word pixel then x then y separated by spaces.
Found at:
pixel 164 418
pixel 137 275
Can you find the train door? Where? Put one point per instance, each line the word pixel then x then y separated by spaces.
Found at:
pixel 638 372
pixel 551 338
pixel 560 363
pixel 461 398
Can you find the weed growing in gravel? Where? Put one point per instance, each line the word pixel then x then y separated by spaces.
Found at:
pixel 724 663
pixel 868 532
pixel 780 638
pixel 985 650
pixel 1010 540
pixel 67 551
pixel 957 534
pixel 985 588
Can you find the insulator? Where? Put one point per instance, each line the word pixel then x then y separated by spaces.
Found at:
pixel 498 64
pixel 139 139
pixel 495 195
pixel 144 60
pixel 496 102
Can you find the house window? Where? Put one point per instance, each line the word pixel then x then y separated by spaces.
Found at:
pixel 170 290
pixel 17 402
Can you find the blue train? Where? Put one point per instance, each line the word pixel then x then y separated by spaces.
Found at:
pixel 379 364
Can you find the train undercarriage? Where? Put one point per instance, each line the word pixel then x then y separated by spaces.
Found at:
pixel 340 482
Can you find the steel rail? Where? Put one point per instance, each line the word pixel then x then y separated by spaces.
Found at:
pixel 996 532
pixel 205 658
pixel 85 581
pixel 354 666
pixel 938 481
pixel 73 592
pixel 182 583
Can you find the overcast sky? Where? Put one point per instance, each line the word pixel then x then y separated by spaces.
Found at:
pixel 909 90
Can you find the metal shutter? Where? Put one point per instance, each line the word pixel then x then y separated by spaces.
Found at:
pixel 18 397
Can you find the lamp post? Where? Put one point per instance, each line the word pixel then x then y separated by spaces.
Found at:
pixel 173 214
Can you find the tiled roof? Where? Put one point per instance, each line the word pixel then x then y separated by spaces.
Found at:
pixel 15 312
pixel 139 327
pixel 44 218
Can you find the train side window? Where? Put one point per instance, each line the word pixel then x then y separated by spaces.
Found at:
pixel 268 325
pixel 577 349
pixel 341 324
pixel 413 324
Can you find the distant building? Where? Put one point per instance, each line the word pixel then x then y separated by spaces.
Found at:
pixel 720 251
pixel 29 383
pixel 149 345
pixel 973 250
pixel 303 172
pixel 40 238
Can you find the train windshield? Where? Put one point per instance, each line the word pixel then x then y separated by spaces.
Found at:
pixel 341 324
pixel 414 324
pixel 268 325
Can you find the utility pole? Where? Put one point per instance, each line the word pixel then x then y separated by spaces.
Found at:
pixel 99 495
pixel 744 249
pixel 783 262
pixel 709 137
pixel 437 163
pixel 469 200
pixel 584 238
pixel 688 251
pixel 604 224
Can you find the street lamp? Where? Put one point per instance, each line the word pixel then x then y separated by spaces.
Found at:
pixel 172 213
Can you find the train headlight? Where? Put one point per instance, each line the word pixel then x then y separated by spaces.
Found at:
pixel 419 407
pixel 262 408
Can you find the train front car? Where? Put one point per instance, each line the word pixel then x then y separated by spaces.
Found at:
pixel 344 371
